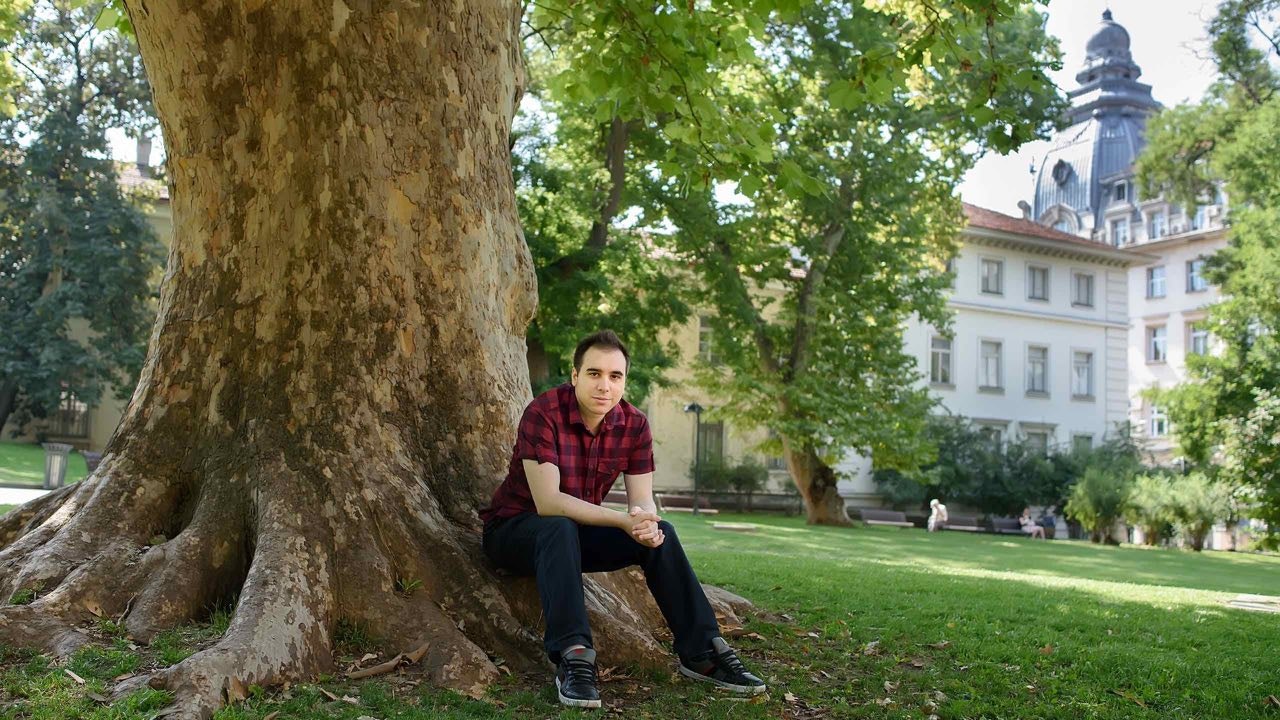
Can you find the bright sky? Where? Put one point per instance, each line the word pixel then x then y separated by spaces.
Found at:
pixel 1168 43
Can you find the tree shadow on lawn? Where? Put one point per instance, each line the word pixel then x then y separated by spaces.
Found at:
pixel 1211 571
pixel 887 639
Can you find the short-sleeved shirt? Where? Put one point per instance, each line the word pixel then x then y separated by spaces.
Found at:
pixel 552 431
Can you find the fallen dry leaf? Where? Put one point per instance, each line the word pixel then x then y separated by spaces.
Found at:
pixel 940 645
pixel 754 636
pixel 122 677
pixel 98 698
pixel 1272 701
pixel 884 702
pixel 79 680
pixel 871 648
pixel 367 657
pixel 890 686
pixel 350 700
pixel 1046 650
pixel 417 655
pixel 272 716
pixel 790 698
pixel 330 695
pixel 237 691
pixel 1130 697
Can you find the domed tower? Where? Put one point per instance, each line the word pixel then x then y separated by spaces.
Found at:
pixel 1090 166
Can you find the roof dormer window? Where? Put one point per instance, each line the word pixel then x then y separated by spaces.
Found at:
pixel 1120 191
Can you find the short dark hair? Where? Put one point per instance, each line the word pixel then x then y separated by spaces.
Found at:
pixel 606 339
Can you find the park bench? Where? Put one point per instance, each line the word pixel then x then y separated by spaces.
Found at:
pixel 616 499
pixel 668 502
pixel 1006 526
pixel 963 523
pixel 895 518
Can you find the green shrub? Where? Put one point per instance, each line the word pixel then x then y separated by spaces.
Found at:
pixel 1152 507
pixel 1199 502
pixel 1098 500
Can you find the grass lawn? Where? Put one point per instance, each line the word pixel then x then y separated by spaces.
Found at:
pixel 24 463
pixel 872 623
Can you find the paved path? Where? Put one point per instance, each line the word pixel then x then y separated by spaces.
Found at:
pixel 18 496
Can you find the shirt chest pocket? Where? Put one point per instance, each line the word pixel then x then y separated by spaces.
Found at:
pixel 606 474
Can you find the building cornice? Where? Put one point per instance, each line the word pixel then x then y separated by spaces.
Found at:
pixel 1058 317
pixel 1079 251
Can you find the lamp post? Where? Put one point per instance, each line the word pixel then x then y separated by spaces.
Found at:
pixel 696 409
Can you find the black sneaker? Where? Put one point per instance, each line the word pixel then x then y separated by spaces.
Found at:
pixel 576 679
pixel 721 667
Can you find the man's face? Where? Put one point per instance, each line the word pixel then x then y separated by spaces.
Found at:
pixel 600 381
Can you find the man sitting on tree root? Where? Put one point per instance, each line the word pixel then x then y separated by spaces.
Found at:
pixel 545 520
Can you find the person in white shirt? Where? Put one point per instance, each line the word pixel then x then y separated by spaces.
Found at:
pixel 937 515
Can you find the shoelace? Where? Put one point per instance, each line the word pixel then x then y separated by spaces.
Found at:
pixel 729 660
pixel 580 670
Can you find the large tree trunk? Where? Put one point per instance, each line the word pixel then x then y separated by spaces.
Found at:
pixel 817 484
pixel 337 366
pixel 8 396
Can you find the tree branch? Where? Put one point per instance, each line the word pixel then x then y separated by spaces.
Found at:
pixel 814 279
pixel 764 344
pixel 615 151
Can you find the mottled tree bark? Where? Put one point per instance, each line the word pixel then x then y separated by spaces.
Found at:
pixel 338 362
pixel 817 483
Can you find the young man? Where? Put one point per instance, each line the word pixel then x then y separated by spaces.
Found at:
pixel 545 520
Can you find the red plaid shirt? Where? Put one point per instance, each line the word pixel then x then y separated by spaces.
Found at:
pixel 552 431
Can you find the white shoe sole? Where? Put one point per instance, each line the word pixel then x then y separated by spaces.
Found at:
pixel 743 689
pixel 571 702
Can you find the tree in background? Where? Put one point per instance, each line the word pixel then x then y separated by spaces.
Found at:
pixel 840 229
pixel 75 250
pixel 1231 140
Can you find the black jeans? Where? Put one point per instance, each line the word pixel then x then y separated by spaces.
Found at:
pixel 557 550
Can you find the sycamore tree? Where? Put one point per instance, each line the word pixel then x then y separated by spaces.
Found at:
pixel 1231 140
pixel 74 249
pixel 338 362
pixel 841 231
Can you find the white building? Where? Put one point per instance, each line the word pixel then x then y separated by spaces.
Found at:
pixel 1037 347
pixel 1086 186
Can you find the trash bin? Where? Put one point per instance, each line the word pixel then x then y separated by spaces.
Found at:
pixel 55 464
pixel 91 460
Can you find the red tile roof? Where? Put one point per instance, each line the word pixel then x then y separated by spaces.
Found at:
pixel 991 220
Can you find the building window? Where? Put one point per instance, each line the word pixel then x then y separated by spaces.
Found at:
pixel 1037 283
pixel 1159 422
pixel 1063 225
pixel 1082 289
pixel 706 351
pixel 1199 344
pixel 1200 220
pixel 1037 370
pixel 1155 282
pixel 1120 191
pixel 1082 374
pixel 1157 225
pixel 989 370
pixel 992 434
pixel 1195 276
pixel 775 462
pixel 72 417
pixel 1120 232
pixel 1157 344
pixel 1082 443
pixel 940 360
pixel 711 443
pixel 1038 441
pixel 993 276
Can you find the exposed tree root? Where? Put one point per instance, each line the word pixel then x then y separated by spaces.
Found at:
pixel 386 558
